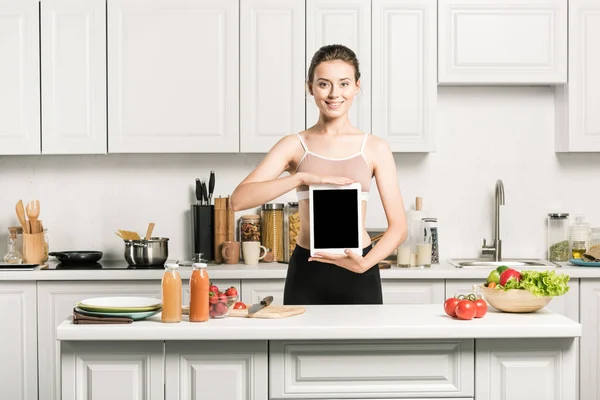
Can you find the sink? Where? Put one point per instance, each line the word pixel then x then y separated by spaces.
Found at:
pixel 509 262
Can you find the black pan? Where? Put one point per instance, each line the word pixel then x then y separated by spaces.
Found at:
pixel 77 257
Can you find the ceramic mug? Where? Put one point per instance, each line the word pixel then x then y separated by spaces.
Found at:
pixel 253 252
pixel 230 252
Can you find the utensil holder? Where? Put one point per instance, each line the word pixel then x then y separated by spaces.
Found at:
pixel 34 248
pixel 202 230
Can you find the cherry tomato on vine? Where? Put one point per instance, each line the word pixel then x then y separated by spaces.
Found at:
pixel 450 306
pixel 481 308
pixel 466 309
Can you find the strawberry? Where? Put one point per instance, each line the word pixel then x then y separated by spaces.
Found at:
pixel 213 297
pixel 222 298
pixel 232 291
pixel 221 308
pixel 213 288
pixel 213 313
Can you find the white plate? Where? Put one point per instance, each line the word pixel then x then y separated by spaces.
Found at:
pixel 120 303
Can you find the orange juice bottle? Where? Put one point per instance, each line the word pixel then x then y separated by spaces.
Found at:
pixel 199 284
pixel 171 294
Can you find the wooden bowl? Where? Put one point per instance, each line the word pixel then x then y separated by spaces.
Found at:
pixel 514 300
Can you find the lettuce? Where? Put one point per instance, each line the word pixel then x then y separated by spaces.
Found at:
pixel 540 283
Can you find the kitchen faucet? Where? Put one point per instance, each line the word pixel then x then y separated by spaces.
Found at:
pixel 495 250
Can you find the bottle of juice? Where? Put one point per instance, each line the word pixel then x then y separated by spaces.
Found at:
pixel 199 284
pixel 171 294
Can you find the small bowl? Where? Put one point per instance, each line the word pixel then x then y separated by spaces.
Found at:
pixel 221 309
pixel 514 300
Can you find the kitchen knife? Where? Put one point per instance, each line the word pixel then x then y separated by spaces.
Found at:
pixel 204 194
pixel 211 186
pixel 257 307
pixel 198 192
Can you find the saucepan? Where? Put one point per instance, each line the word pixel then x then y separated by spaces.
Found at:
pixel 77 257
pixel 153 251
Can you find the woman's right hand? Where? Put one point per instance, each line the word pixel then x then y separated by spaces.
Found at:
pixel 308 179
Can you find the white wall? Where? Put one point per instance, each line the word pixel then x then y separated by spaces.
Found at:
pixel 483 134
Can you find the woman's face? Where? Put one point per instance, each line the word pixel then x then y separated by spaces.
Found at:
pixel 333 88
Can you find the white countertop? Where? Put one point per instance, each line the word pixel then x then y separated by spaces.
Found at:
pixel 338 322
pixel 444 270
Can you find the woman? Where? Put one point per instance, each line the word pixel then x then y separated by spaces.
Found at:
pixel 332 152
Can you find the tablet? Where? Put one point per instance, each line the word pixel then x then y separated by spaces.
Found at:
pixel 335 218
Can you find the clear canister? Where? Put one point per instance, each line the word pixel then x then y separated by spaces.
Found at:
pixel 250 228
pixel 594 237
pixel 558 236
pixel 272 235
pixel 291 229
pixel 431 229
pixel 579 237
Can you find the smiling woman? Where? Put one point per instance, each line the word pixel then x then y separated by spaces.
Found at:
pixel 332 152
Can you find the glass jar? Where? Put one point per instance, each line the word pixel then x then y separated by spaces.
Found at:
pixel 250 228
pixel 558 236
pixel 431 229
pixel 292 229
pixel 13 255
pixel 594 237
pixel 579 236
pixel 271 233
pixel 416 235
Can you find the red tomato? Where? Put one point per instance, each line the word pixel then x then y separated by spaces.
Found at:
pixel 450 306
pixel 239 305
pixel 481 308
pixel 466 309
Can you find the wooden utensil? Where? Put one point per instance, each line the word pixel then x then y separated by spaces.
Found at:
pixel 149 231
pixel 21 215
pixel 33 212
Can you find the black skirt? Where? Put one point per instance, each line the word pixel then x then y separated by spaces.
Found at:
pixel 320 283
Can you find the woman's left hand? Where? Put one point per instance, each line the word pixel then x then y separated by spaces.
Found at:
pixel 350 260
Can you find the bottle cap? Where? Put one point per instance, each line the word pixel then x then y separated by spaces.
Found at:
pixel 199 265
pixel 172 265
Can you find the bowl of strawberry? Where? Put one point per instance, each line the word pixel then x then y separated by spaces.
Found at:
pixel 220 302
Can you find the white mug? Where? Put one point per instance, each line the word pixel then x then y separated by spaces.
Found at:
pixel 252 252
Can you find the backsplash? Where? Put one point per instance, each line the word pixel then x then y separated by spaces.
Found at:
pixel 484 133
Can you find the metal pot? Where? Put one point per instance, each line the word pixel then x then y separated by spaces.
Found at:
pixel 147 252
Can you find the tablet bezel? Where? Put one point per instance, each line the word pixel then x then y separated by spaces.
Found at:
pixel 353 186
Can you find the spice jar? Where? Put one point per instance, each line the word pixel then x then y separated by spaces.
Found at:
pixel 250 228
pixel 271 233
pixel 558 236
pixel 579 236
pixel 292 229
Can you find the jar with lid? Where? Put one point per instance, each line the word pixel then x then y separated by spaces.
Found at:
pixel 431 229
pixel 271 234
pixel 579 236
pixel 292 229
pixel 250 228
pixel 558 236
pixel 594 237
pixel 14 255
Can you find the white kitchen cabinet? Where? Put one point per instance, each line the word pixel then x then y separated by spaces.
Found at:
pixel 73 70
pixel 589 374
pixel 346 22
pixel 216 370
pixel 19 77
pixel 18 340
pixel 404 73
pixel 577 108
pixel 370 369
pixel 253 291
pixel 272 48
pixel 55 302
pixel 173 76
pixel 413 291
pixel 112 371
pixel 502 41
pixel 532 369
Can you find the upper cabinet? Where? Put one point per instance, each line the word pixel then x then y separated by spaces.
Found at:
pixel 272 71
pixel 502 41
pixel 346 22
pixel 404 96
pixel 173 76
pixel 73 69
pixel 578 103
pixel 19 77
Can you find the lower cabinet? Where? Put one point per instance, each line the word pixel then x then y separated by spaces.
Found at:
pixel 412 291
pixel 253 291
pixel 590 342
pixel 18 341
pixel 112 370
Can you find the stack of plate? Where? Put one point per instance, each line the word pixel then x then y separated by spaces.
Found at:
pixel 136 308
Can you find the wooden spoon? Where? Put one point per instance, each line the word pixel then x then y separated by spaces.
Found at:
pixel 149 231
pixel 33 212
pixel 21 216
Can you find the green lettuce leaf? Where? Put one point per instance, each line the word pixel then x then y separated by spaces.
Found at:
pixel 540 283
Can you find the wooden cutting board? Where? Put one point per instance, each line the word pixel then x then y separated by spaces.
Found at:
pixel 270 312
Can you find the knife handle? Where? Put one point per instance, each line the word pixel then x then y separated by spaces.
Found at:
pixel 211 186
pixel 198 191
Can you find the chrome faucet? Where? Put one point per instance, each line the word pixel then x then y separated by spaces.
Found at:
pixel 495 250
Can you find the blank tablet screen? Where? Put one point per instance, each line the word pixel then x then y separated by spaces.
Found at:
pixel 335 219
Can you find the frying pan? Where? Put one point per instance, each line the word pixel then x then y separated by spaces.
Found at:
pixel 77 257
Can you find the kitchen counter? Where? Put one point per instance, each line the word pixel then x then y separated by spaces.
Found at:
pixel 444 270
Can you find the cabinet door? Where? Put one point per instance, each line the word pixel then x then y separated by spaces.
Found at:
pixel 253 291
pixel 589 374
pixel 56 301
pixel 173 76
pixel 404 71
pixel 578 103
pixel 19 77
pixel 216 370
pixel 272 72
pixel 112 370
pixel 413 292
pixel 18 340
pixel 73 49
pixel 502 41
pixel 346 22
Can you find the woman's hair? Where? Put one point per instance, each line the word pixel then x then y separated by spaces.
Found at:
pixel 330 53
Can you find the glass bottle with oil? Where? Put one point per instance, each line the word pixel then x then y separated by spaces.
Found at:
pixel 579 237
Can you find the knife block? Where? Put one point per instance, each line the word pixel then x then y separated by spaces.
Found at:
pixel 202 230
